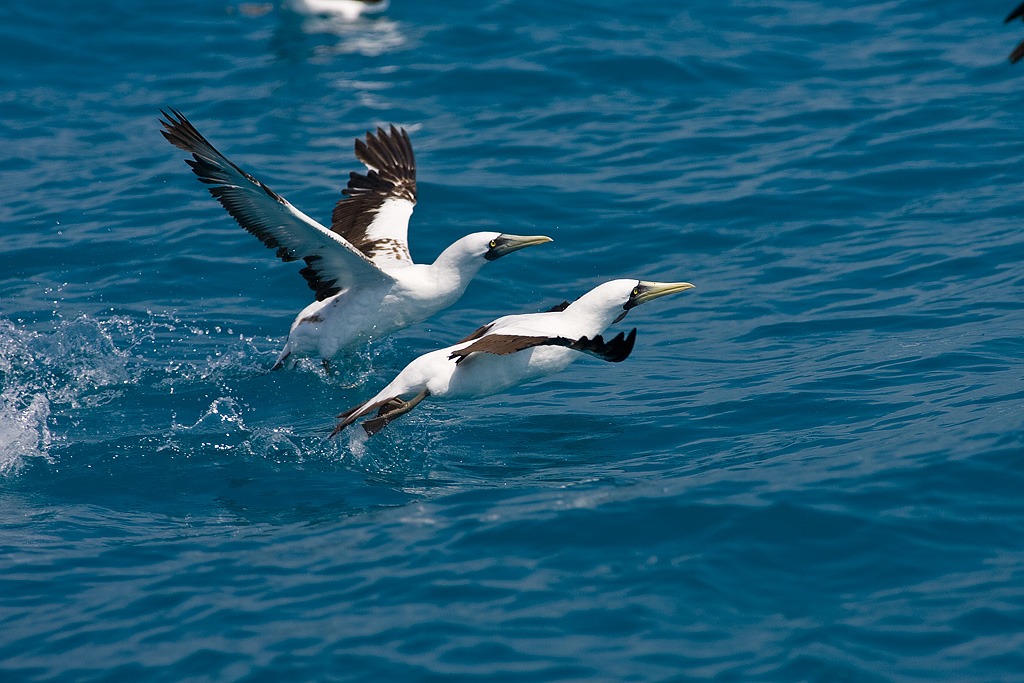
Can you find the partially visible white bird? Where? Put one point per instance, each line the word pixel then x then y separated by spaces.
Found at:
pixel 349 10
pixel 366 283
pixel 513 350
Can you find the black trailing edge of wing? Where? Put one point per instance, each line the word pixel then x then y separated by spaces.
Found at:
pixel 321 287
pixel 616 350
pixel 209 165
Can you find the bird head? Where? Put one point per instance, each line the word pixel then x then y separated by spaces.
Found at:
pixel 496 244
pixel 466 256
pixel 617 297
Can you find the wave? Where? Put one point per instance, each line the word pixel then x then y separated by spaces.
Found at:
pixel 93 380
pixel 77 365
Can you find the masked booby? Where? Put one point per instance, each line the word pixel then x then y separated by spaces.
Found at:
pixel 349 10
pixel 365 281
pixel 513 350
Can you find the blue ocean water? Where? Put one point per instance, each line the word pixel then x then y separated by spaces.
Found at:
pixel 810 469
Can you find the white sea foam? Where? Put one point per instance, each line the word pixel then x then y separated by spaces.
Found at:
pixel 24 432
pixel 76 365
pixel 73 382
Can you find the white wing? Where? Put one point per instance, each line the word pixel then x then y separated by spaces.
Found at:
pixel 332 264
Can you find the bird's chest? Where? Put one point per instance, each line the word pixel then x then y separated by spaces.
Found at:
pixel 354 315
pixel 413 300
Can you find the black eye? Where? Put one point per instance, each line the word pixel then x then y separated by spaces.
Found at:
pixel 493 244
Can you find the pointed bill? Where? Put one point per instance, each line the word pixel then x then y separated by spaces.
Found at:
pixel 506 244
pixel 648 291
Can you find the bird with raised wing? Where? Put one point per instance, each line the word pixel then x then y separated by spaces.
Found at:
pixel 365 281
pixel 512 350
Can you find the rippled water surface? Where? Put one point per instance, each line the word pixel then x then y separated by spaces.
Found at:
pixel 810 469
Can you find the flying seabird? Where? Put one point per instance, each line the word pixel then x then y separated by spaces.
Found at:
pixel 365 281
pixel 346 9
pixel 513 350
pixel 1018 52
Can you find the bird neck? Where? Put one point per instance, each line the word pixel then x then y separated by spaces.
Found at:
pixel 457 264
pixel 591 317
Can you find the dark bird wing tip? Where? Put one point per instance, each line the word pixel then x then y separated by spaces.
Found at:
pixel 1017 54
pixel 616 350
pixel 264 213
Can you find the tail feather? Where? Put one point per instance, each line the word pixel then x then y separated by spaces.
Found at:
pixel 283 357
pixel 353 414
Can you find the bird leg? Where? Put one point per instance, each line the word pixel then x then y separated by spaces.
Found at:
pixel 327 365
pixel 393 404
pixel 390 410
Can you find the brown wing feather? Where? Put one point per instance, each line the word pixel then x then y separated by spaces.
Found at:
pixel 480 331
pixel 391 175
pixel 614 350
pixel 504 344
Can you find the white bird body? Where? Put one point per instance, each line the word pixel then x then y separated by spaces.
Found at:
pixel 358 315
pixel 346 9
pixel 365 281
pixel 480 374
pixel 513 350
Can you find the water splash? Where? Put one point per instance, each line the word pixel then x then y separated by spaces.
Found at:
pixel 24 432
pixel 77 365
pixel 209 390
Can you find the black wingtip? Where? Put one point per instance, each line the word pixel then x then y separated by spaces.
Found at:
pixel 173 119
pixel 1019 12
pixel 615 350
pixel 630 342
pixel 1017 54
pixel 622 346
pixel 390 153
pixel 180 132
